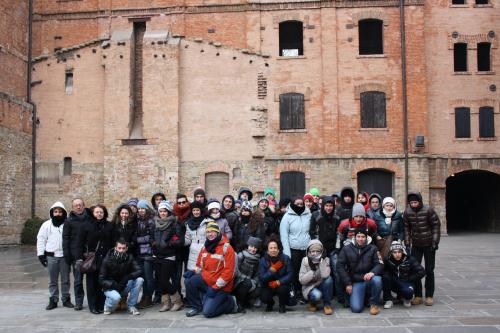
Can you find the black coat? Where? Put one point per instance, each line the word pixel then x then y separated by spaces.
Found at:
pixel 344 210
pixel 92 233
pixel 127 232
pixel 407 269
pixel 354 262
pixel 71 234
pixel 169 242
pixel 284 275
pixel 242 233
pixel 324 227
pixel 114 274
pixel 422 225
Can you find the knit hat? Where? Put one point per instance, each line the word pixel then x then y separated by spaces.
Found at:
pixel 165 204
pixel 389 200
pixel 328 199
pixel 269 190
pixel 213 204
pixel 263 199
pixel 199 191
pixel 254 241
pixel 247 205
pixel 358 209
pixel 197 204
pixel 143 204
pixel 213 226
pixel 360 231
pixel 397 245
pixel 315 244
pixel 308 196
pixel 413 197
pixel 133 202
pixel 314 191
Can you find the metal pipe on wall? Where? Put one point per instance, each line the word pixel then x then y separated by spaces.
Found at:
pixel 405 93
pixel 29 101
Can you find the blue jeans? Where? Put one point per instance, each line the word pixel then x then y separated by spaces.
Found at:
pixel 359 290
pixel 338 285
pixel 133 287
pixel 149 281
pixel 196 290
pixel 322 292
pixel 392 283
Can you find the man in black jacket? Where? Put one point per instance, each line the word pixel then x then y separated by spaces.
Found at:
pixel 344 210
pixel 120 275
pixel 71 243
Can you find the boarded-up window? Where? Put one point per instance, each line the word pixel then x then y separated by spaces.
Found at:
pixel 371 39
pixel 68 83
pixel 47 173
pixel 482 2
pixel 462 122
pixel 460 57
pixel 217 184
pixel 373 109
pixel 458 2
pixel 376 181
pixel 292 114
pixel 68 166
pixel 291 38
pixel 483 57
pixel 486 122
pixel 292 183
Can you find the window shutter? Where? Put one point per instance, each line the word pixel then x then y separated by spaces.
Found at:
pixel 462 123
pixel 373 109
pixel 292 183
pixel 486 122
pixel 292 111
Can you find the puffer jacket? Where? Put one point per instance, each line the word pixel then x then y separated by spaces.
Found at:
pixel 422 225
pixel 71 234
pixel 396 228
pixel 284 275
pixel 311 278
pixel 218 269
pixel 114 273
pixel 348 227
pixel 144 237
pixel 324 227
pixel 344 210
pixel 294 230
pixel 355 261
pixel 406 270
pixel 248 267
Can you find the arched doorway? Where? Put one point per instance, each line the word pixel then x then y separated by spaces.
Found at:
pixel 292 183
pixel 376 181
pixel 217 184
pixel 473 201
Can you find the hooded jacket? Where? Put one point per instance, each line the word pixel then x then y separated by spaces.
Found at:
pixel 71 234
pixel 348 226
pixel 114 274
pixel 344 210
pixel 406 270
pixel 218 269
pixel 422 225
pixel 245 189
pixel 242 232
pixel 294 230
pixel 355 261
pixel 311 278
pixel 324 227
pixel 49 237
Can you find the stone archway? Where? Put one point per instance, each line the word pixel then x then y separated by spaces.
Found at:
pixel 472 201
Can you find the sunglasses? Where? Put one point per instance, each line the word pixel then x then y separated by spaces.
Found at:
pixel 182 202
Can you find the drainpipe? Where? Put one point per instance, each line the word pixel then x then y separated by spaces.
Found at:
pixel 405 94
pixel 29 101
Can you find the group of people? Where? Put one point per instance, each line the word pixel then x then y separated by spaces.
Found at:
pixel 235 255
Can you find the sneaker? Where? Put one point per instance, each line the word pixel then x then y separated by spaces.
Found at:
pixel 257 303
pixel 388 304
pixel 328 310
pixel 407 303
pixel 192 313
pixel 416 301
pixel 429 301
pixel 68 304
pixel 133 311
pixel 374 310
pixel 107 311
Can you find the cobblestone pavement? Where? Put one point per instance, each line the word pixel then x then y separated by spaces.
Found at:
pixel 467 299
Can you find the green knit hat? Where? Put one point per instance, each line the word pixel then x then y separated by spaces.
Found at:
pixel 314 191
pixel 269 190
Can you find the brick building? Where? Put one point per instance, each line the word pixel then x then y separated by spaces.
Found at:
pixel 136 97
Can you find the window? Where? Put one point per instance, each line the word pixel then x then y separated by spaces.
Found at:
pixel 292 111
pixel 292 183
pixel 482 2
pixel 486 122
pixel 462 122
pixel 371 37
pixel 68 165
pixel 376 181
pixel 373 109
pixel 217 184
pixel 458 2
pixel 68 83
pixel 460 57
pixel 483 57
pixel 291 39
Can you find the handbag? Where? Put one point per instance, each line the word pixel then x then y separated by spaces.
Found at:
pixel 89 264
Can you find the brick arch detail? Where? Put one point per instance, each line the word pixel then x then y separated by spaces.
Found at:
pixel 384 165
pixel 472 40
pixel 277 19
pixel 370 14
pixel 292 166
pixel 306 91
pixel 478 167
pixel 215 167
pixel 372 86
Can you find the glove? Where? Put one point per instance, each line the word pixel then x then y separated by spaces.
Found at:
pixel 188 274
pixel 212 292
pixel 276 266
pixel 434 247
pixel 274 284
pixel 43 260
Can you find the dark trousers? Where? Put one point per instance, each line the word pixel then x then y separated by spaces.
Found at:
pixel 283 292
pixel 429 256
pixel 243 293
pixel 165 270
pixel 297 256
pixel 95 295
pixel 179 264
pixel 78 285
pixel 147 266
pixel 392 283
pixel 196 290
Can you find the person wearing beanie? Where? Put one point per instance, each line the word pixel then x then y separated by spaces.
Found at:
pixel 344 210
pixel 389 225
pixel 245 194
pixel 182 210
pixel 314 275
pixel 249 224
pixel 246 283
pixel 315 193
pixel 358 220
pixel 195 233
pixel 209 290
pixel 49 249
pixel 213 211
pixel 294 233
pixel 237 205
pixel 422 235
pixel 271 198
pixel 270 221
pixel 200 196
pixel 168 240
pixel 228 211
pixel 362 198
pixel 132 203
pixel 156 199
pixel 359 267
pixel 401 272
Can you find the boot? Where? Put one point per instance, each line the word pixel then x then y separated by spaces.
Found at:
pixel 166 303
pixel 52 304
pixel 122 306
pixel 312 306
pixel 177 303
pixel 146 302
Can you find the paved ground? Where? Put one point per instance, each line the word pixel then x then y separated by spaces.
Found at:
pixel 467 300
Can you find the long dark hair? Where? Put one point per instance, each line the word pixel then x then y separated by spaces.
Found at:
pixel 116 217
pixel 104 209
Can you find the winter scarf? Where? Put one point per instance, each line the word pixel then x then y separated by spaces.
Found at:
pixel 297 209
pixel 58 220
pixel 119 257
pixel 182 213
pixel 163 224
pixel 210 245
pixel 194 222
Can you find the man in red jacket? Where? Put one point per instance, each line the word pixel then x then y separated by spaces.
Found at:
pixel 208 290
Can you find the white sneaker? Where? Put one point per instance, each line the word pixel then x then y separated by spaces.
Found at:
pixel 407 303
pixel 388 304
pixel 257 303
pixel 107 311
pixel 133 311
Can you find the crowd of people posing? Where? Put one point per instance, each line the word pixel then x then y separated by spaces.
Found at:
pixel 233 255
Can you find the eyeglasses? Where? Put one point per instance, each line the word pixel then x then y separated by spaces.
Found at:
pixel 182 202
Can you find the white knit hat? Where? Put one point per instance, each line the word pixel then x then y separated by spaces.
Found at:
pixel 212 205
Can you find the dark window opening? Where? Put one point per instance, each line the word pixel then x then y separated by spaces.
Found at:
pixel 136 112
pixel 462 122
pixel 482 2
pixel 373 109
pixel 292 184
pixel 458 2
pixel 371 36
pixel 291 38
pixel 460 57
pixel 292 115
pixel 68 83
pixel 486 122
pixel 483 57
pixel 376 181
pixel 68 166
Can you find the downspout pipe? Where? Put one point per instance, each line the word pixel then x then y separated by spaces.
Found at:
pixel 29 101
pixel 405 93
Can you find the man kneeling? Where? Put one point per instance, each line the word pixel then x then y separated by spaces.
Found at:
pixel 120 275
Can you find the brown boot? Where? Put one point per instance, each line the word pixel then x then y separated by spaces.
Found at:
pixel 374 310
pixel 166 303
pixel 416 301
pixel 177 303
pixel 146 302
pixel 328 310
pixel 312 306
pixel 429 301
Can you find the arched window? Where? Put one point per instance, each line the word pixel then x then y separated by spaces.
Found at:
pixel 292 183
pixel 371 40
pixel 483 57
pixel 376 181
pixel 373 109
pixel 292 115
pixel 217 184
pixel 486 122
pixel 291 38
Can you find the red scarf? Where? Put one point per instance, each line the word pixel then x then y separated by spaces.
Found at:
pixel 182 213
